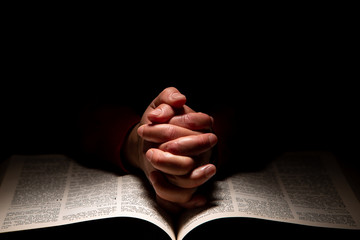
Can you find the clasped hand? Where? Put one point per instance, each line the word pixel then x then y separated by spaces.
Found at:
pixel 173 150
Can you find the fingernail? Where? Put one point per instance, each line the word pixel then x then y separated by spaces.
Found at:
pixel 149 154
pixel 140 131
pixel 210 171
pixel 156 112
pixel 176 96
pixel 212 139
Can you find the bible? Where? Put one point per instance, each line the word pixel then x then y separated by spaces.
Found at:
pixel 297 189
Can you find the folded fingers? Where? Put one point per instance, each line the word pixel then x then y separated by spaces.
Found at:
pixel 169 194
pixel 168 191
pixel 170 96
pixel 161 113
pixel 195 178
pixel 193 121
pixel 179 170
pixel 170 163
pixel 190 145
pixel 160 133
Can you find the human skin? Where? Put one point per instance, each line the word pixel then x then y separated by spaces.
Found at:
pixel 172 146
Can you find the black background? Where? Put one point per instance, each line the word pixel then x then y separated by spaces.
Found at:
pixel 291 88
pixel 290 79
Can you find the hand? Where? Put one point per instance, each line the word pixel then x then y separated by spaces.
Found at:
pixel 179 164
pixel 175 154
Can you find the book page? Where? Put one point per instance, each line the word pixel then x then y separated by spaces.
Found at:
pixel 301 188
pixel 52 190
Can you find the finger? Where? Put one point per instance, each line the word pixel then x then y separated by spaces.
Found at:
pixel 183 110
pixel 169 163
pixel 168 191
pixel 164 112
pixel 193 121
pixel 190 145
pixel 197 177
pixel 170 96
pixel 160 133
pixel 161 113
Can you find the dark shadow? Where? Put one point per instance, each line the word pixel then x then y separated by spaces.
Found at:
pixel 239 228
pixel 113 228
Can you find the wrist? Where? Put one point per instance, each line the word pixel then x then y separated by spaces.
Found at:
pixel 131 148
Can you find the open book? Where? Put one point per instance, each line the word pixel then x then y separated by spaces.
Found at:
pixel 52 190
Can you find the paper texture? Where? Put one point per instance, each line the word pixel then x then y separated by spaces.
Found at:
pixel 52 190
pixel 302 188
pixel 44 191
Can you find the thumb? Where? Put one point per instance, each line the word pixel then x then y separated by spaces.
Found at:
pixel 170 96
pixel 164 106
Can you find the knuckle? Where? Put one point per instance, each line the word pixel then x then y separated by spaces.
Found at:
pixel 169 90
pixel 205 120
pixel 172 147
pixel 170 132
pixel 197 121
pixel 154 157
pixel 187 164
pixel 203 140
pixel 166 108
pixel 188 120
pixel 208 140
